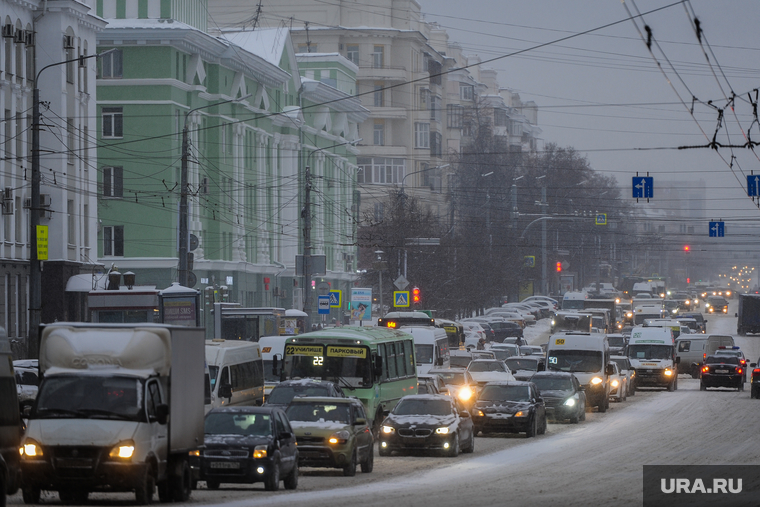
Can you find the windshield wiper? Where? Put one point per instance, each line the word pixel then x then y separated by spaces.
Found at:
pixel 344 383
pixel 58 411
pixel 106 413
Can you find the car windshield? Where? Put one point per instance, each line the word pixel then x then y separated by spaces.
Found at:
pixel 517 363
pixel 477 366
pixel 650 351
pixel 283 395
pixel 588 361
pixel 424 354
pixel 27 378
pixel 91 396
pixel 422 407
pixel 616 341
pixel 230 423
pixel 734 353
pixel 269 375
pixel 452 378
pixel 318 412
pixel 722 359
pixel 460 361
pixel 502 354
pixel 622 364
pixel 553 384
pixel 504 393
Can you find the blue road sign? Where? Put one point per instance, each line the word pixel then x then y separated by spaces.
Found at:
pixel 336 298
pixel 401 298
pixel 323 305
pixel 753 185
pixel 601 219
pixel 717 229
pixel 643 187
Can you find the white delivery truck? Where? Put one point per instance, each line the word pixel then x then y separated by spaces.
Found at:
pixel 119 408
pixel 11 429
pixel 587 356
pixel 653 356
pixel 431 347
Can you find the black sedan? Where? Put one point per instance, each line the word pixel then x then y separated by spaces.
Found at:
pixel 427 422
pixel 754 381
pixel 284 392
pixel 510 407
pixel 721 371
pixel 563 395
pixel 247 445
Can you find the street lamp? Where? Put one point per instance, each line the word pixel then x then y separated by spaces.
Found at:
pixel 182 271
pixel 444 166
pixel 306 214
pixel 35 273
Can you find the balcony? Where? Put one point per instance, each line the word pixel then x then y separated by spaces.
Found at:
pixel 390 113
pixel 385 73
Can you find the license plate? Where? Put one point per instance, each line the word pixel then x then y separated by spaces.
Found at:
pixel 224 464
pixel 721 371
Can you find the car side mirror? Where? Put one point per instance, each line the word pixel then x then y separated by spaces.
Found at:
pixel 736 314
pixel 464 413
pixel 285 435
pixel 225 391
pixel 26 411
pixel 752 365
pixel 439 361
pixel 678 359
pixel 162 414
pixel 360 422
pixel 609 370
pixel 514 372
pixel 386 413
pixel 274 365
pixel 539 400
pixel 582 388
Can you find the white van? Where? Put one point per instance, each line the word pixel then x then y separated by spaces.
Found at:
pixel 646 312
pixel 574 300
pixel 237 372
pixel 692 349
pixel 587 356
pixel 431 347
pixel 272 352
pixel 653 356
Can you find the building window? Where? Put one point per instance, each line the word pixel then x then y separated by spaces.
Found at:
pixel 71 66
pixel 424 97
pixel 352 53
pixel 112 122
pixel 378 57
pixel 422 135
pixel 379 94
pixel 379 133
pixel 111 65
pixel 466 92
pixel 436 149
pixel 30 74
pixel 454 116
pixel 500 118
pixel 381 170
pixel 113 183
pixel 72 221
pixel 71 139
pixel 435 108
pixel 307 48
pixel 435 69
pixel 379 211
pixel 113 241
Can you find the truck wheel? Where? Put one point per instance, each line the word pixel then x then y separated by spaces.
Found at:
pixel 182 485
pixel 31 495
pixel 144 490
pixel 164 492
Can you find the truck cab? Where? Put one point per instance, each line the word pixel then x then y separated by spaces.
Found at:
pixel 652 353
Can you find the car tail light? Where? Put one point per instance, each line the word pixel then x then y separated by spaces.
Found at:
pixel 756 371
pixel 705 369
pixel 739 370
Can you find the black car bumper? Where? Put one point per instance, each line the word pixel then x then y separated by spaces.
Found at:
pixel 323 456
pixel 501 422
pixel 419 439
pixel 647 377
pixel 556 409
pixel 712 380
pixel 238 470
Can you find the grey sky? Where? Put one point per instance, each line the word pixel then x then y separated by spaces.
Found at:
pixel 603 94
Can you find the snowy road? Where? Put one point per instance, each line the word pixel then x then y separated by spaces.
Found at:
pixel 596 462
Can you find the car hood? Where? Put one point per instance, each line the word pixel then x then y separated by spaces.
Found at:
pixel 319 428
pixel 224 441
pixel 502 407
pixel 419 421
pixel 95 432
pixel 556 394
pixel 491 376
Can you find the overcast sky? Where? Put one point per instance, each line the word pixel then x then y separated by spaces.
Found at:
pixel 601 92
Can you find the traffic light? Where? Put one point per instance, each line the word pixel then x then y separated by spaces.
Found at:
pixel 559 266
pixel 416 298
pixel 686 248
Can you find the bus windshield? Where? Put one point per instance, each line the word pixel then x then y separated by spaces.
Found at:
pixel 348 367
pixel 649 351
pixel 424 353
pixel 588 361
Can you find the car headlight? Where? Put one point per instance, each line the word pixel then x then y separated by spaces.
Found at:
pixel 570 402
pixel 388 429
pixel 340 437
pixel 481 414
pixel 31 449
pixel 674 310
pixel 194 453
pixel 123 450
pixel 668 373
pixel 596 381
pixel 444 430
pixel 260 451
pixel 615 383
pixel 521 414
pixel 465 393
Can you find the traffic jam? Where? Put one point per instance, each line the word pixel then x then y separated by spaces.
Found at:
pixel 150 409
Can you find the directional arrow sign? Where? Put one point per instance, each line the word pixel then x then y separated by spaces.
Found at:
pixel 717 229
pixel 643 187
pixel 753 185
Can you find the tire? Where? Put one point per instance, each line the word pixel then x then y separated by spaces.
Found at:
pixel 531 431
pixel 291 481
pixel 272 482
pixel 31 495
pixel 671 387
pixel 702 386
pixel 575 418
pixel 164 491
pixel 583 415
pixel 471 447
pixel 632 389
pixel 542 429
pixel 212 483
pixel 741 387
pixel 369 463
pixel 182 485
pixel 3 487
pixel 350 469
pixel 604 405
pixel 753 393
pixel 145 489
pixel 454 449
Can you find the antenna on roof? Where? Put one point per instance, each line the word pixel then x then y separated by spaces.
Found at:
pixel 256 16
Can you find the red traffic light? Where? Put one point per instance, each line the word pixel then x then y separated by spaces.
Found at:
pixel 559 266
pixel 686 248
pixel 416 298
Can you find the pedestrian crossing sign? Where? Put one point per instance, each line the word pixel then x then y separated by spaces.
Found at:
pixel 401 298
pixel 336 299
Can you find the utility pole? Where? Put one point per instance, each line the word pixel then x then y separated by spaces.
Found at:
pixel 306 214
pixel 544 204
pixel 183 230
